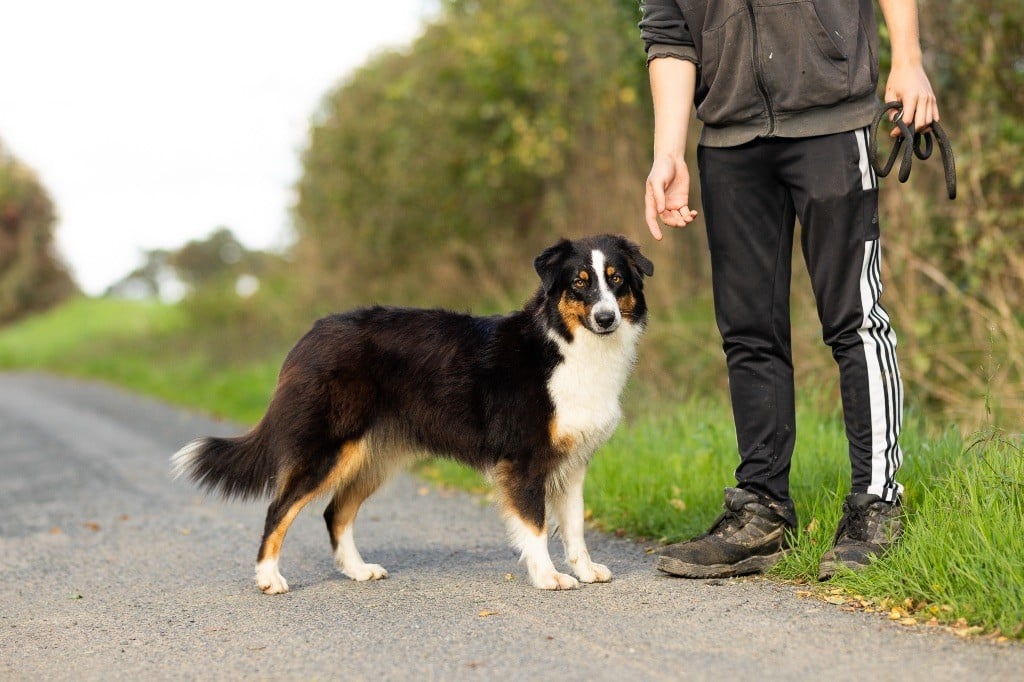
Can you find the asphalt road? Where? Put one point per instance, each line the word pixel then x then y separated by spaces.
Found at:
pixel 112 570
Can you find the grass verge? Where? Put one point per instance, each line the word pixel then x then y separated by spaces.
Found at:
pixel 660 477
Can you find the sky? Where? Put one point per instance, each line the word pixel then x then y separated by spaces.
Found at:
pixel 151 123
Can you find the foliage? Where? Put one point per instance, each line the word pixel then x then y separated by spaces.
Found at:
pixel 510 123
pixel 957 273
pixel 31 276
pixel 149 347
pixel 471 150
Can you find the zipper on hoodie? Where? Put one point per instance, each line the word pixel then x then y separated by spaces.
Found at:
pixel 758 76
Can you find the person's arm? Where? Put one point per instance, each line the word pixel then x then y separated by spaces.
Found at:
pixel 668 185
pixel 908 83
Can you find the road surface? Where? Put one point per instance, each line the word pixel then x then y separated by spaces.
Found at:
pixel 111 570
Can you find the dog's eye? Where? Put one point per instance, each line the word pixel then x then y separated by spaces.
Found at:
pixel 579 283
pixel 615 279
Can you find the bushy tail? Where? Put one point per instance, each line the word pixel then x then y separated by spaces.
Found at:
pixel 241 467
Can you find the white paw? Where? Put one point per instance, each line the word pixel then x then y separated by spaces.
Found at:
pixel 269 579
pixel 365 572
pixel 555 581
pixel 589 572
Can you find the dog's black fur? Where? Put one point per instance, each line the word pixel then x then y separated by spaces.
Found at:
pixel 526 397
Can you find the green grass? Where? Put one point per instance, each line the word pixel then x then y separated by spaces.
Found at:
pixel 660 477
pixel 147 347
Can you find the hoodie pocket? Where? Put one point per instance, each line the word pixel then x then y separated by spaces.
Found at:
pixel 727 92
pixel 801 64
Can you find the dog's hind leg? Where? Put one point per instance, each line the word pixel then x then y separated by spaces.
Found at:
pixel 299 487
pixel 340 516
pixel 280 514
pixel 522 503
pixel 566 499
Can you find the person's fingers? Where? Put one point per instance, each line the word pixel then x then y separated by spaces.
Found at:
pixel 925 115
pixel 651 213
pixel 680 217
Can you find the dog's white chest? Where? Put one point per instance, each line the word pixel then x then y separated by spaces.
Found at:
pixel 585 387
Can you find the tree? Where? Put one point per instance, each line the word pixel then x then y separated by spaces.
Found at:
pixel 501 127
pixel 32 278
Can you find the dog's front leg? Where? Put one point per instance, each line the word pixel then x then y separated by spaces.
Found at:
pixel 532 543
pixel 568 510
pixel 523 506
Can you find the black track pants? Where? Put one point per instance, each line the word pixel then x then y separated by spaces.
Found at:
pixel 752 195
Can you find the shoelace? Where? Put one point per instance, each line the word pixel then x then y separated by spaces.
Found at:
pixel 854 524
pixel 724 521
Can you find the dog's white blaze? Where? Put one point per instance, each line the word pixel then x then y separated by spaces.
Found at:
pixel 607 302
pixel 585 387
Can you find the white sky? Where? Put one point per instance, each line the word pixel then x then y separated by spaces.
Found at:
pixel 152 122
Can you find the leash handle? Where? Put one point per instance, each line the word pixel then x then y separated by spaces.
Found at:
pixel 920 145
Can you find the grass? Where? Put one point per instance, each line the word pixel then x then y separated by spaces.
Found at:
pixel 147 347
pixel 660 477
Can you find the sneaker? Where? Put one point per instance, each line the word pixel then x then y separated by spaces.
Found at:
pixel 751 536
pixel 869 527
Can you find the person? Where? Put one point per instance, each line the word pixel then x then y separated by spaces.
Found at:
pixel 786 92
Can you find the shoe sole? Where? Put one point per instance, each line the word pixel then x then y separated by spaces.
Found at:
pixel 827 569
pixel 748 566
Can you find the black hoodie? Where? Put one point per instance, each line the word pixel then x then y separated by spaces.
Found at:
pixel 771 68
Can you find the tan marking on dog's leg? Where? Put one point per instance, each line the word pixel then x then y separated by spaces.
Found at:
pixel 530 541
pixel 268 577
pixel 346 506
pixel 568 510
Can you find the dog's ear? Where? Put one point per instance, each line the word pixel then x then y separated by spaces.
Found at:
pixel 549 263
pixel 640 264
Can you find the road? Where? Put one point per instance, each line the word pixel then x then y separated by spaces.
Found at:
pixel 111 570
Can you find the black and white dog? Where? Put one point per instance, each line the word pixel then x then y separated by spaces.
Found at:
pixel 526 398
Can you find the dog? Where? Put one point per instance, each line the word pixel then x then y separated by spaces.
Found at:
pixel 526 398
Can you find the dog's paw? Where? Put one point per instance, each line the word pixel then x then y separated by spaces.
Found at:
pixel 269 579
pixel 366 572
pixel 589 572
pixel 556 581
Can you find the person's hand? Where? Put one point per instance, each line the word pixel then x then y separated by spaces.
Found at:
pixel 909 85
pixel 668 195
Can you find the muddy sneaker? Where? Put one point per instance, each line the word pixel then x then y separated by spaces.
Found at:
pixel 750 537
pixel 869 527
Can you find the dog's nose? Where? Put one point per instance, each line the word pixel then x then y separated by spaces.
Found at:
pixel 604 319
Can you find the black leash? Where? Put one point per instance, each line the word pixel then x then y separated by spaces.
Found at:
pixel 918 144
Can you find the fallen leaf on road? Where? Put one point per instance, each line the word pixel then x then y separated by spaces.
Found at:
pixel 92 525
pixel 835 599
pixel 487 614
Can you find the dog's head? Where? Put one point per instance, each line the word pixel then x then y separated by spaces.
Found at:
pixel 595 283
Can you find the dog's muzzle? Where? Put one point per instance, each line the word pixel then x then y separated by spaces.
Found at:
pixel 605 321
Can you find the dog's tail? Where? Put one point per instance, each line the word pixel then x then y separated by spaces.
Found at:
pixel 241 467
